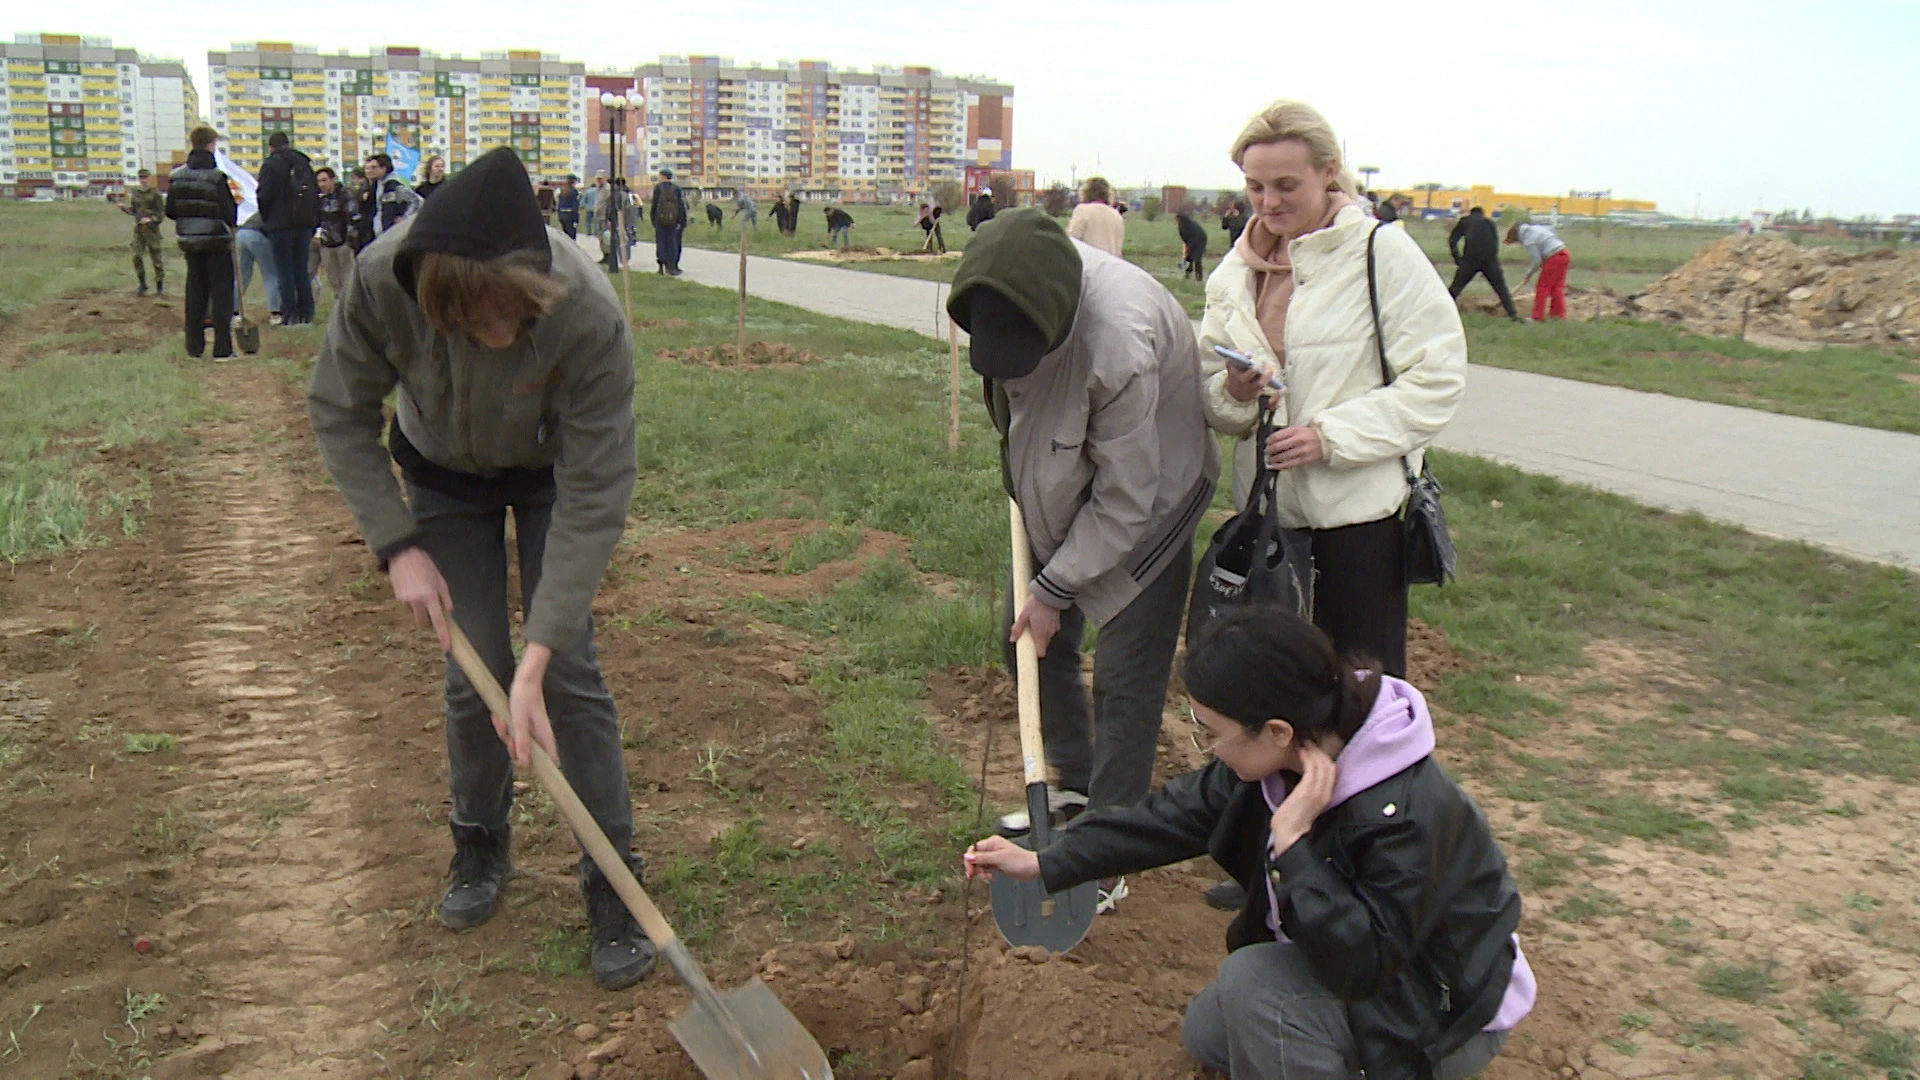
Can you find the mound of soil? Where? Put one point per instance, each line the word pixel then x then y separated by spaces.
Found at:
pixel 1811 293
pixel 759 354
pixel 1583 305
pixel 870 254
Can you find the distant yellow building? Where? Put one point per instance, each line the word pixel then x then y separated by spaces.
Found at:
pixel 1460 200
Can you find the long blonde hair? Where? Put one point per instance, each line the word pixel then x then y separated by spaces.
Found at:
pixel 1285 120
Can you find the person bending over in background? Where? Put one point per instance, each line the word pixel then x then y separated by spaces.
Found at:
pixel 1549 260
pixel 1475 245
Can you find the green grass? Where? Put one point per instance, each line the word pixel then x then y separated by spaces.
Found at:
pixel 47 249
pixel 1749 984
pixel 143 743
pixel 1837 383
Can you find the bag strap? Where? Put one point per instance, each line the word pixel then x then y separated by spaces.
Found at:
pixel 1379 338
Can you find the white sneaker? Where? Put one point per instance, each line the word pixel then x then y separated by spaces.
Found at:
pixel 1062 804
pixel 1110 892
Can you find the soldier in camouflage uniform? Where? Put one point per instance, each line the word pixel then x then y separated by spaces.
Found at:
pixel 148 208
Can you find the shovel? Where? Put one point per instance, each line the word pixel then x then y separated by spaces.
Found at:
pixel 1025 912
pixel 743 1034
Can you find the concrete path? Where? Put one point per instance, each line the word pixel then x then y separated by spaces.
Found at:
pixel 1851 490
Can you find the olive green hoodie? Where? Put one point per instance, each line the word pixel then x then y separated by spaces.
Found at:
pixel 1106 447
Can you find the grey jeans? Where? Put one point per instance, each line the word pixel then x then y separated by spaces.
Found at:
pixel 468 543
pixel 1267 1017
pixel 1106 750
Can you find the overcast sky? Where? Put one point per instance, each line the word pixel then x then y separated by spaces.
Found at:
pixel 1721 105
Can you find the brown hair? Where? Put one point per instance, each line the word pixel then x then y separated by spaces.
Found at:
pixel 203 137
pixel 453 290
pixel 1096 189
pixel 1513 234
pixel 1297 120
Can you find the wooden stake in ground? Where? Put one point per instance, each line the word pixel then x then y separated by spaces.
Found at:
pixel 953 393
pixel 740 337
pixel 626 279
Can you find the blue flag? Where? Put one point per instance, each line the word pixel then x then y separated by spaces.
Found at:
pixel 405 158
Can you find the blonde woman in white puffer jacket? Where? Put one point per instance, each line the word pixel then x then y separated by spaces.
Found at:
pixel 1292 293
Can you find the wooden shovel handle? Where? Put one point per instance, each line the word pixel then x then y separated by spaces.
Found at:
pixel 611 862
pixel 1026 654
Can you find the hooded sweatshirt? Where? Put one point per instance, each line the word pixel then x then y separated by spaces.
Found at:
pixel 1397 734
pixel 1266 252
pixel 1103 444
pixel 552 411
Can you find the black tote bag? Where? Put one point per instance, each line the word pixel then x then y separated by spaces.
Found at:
pixel 1252 559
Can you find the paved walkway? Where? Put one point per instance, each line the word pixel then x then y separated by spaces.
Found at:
pixel 1852 490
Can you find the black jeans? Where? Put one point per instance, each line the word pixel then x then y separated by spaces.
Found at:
pixel 570 223
pixel 1496 277
pixel 209 297
pixel 290 249
pixel 467 541
pixel 1106 751
pixel 1360 590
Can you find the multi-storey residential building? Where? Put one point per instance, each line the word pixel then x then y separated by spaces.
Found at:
pixel 75 113
pixel 340 108
pixel 810 128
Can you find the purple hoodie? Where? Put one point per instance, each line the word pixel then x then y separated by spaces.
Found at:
pixel 1398 734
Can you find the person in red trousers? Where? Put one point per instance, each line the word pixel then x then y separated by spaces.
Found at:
pixel 1550 261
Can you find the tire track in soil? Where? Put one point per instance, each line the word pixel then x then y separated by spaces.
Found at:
pixel 280 927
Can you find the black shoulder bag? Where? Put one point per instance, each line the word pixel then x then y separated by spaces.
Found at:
pixel 1429 547
pixel 1252 559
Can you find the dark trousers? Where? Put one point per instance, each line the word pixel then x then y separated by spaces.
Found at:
pixel 666 246
pixel 209 297
pixel 1197 263
pixel 290 249
pixel 1490 269
pixel 467 541
pixel 570 223
pixel 1106 751
pixel 1360 590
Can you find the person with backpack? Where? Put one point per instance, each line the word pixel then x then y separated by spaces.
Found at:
pixel 511 368
pixel 200 204
pixel 1091 375
pixel 335 234
pixel 1475 246
pixel 1378 931
pixel 668 212
pixel 289 209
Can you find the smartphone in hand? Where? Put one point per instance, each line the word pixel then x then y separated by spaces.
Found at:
pixel 1246 363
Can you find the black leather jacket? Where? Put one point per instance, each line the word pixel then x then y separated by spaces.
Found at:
pixel 201 206
pixel 1399 899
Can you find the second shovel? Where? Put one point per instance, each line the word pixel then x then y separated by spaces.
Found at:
pixel 1025 912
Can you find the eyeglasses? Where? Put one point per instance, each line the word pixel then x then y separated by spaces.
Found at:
pixel 1212 748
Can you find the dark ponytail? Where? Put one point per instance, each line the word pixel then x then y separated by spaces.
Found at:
pixel 1263 663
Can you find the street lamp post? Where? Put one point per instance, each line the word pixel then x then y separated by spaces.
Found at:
pixel 616 106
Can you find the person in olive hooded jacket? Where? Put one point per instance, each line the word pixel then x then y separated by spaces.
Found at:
pixel 514 371
pixel 1092 375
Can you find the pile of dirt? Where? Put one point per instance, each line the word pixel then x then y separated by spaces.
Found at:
pixel 759 354
pixel 871 254
pixel 1812 293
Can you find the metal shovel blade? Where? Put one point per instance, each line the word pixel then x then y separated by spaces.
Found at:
pixel 1025 912
pixel 746 1034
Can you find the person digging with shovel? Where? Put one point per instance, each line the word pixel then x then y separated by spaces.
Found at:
pixel 514 372
pixel 1379 933
pixel 1092 375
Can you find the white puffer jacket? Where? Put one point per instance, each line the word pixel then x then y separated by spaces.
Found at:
pixel 1333 371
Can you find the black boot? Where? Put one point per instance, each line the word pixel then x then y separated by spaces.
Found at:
pixel 1226 896
pixel 622 955
pixel 482 859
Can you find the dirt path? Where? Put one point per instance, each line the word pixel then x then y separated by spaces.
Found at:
pixel 280 925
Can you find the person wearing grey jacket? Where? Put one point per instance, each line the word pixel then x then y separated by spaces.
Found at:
pixel 1092 375
pixel 512 374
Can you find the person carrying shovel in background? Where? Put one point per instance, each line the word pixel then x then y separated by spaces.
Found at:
pixel 514 370
pixel 1092 375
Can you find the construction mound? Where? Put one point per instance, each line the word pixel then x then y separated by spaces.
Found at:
pixel 1583 304
pixel 759 354
pixel 870 254
pixel 1774 287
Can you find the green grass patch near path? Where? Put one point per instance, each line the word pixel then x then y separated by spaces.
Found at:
pixel 47 249
pixel 1837 383
pixel 61 414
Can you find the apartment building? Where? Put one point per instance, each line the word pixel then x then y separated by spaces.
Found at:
pixel 80 115
pixel 340 108
pixel 805 126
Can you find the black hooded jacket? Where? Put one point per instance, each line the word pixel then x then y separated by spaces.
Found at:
pixel 981 211
pixel 1399 897
pixel 1474 239
pixel 289 197
pixel 1192 236
pixel 201 206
